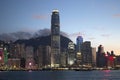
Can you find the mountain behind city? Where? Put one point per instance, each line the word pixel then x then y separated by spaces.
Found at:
pixel 41 37
pixel 43 41
pixel 27 35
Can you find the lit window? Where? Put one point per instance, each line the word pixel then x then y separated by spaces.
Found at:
pixel 78 53
pixel 106 55
pixel 71 62
pixel 0 58
pixel 30 63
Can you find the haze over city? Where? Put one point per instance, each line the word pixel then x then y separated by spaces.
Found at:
pixel 96 20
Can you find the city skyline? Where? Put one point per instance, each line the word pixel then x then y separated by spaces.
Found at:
pixel 96 21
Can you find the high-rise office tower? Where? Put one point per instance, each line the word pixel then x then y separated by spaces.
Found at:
pixel 79 42
pixel 30 63
pixel 55 39
pixel 101 58
pixel 93 56
pixel 86 53
pixel 71 54
pixel 5 56
pixel 100 49
pixel 42 56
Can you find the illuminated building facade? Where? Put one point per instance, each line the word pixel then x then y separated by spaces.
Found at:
pixel 14 63
pixel 30 63
pixel 71 53
pixel 93 57
pixel 5 56
pixel 110 59
pixel 86 53
pixel 20 49
pixel 42 56
pixel 39 57
pixel 79 42
pixel 55 39
pixel 13 51
pixel 46 56
pixel 1 56
pixel 101 58
pixel 63 58
pixel 117 62
pixel 1 44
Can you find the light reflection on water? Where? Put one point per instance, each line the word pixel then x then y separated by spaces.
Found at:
pixel 107 73
pixel 61 75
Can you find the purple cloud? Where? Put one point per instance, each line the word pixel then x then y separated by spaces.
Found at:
pixel 39 16
pixel 116 15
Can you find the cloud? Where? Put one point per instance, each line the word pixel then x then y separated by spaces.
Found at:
pixel 99 28
pixel 39 16
pixel 76 34
pixel 28 30
pixel 46 32
pixel 42 32
pixel 91 38
pixel 15 36
pixel 106 35
pixel 116 15
pixel 27 35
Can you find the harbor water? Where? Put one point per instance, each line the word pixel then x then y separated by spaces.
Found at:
pixel 61 75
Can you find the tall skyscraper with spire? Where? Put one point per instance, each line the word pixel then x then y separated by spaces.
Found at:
pixel 55 39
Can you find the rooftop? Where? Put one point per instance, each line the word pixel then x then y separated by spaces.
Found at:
pixel 55 10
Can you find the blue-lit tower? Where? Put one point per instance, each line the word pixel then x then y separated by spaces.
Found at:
pixel 55 39
pixel 79 42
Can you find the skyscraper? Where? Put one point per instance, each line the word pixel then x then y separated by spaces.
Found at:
pixel 86 52
pixel 5 56
pixel 42 56
pixel 55 39
pixel 71 53
pixel 30 63
pixel 79 42
pixel 93 56
pixel 101 59
pixel 100 49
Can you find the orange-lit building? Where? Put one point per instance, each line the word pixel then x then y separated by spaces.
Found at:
pixel 14 63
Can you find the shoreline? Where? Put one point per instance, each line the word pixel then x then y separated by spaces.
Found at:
pixel 55 69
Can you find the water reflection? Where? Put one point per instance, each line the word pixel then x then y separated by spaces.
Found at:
pixel 106 74
pixel 61 75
